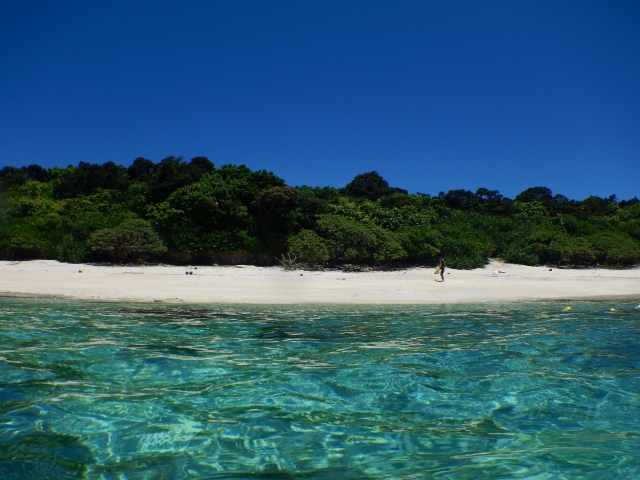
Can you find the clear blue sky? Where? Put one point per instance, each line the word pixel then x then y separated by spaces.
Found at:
pixel 434 95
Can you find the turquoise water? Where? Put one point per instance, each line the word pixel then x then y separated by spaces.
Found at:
pixel 125 391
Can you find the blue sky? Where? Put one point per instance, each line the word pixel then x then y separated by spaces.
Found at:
pixel 434 95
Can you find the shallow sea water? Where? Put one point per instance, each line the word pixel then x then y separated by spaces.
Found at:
pixel 136 391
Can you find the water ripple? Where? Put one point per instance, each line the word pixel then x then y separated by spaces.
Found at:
pixel 188 391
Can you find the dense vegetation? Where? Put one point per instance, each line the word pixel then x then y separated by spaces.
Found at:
pixel 194 212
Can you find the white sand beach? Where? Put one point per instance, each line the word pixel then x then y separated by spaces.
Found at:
pixel 264 285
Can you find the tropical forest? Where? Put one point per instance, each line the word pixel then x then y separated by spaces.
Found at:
pixel 193 212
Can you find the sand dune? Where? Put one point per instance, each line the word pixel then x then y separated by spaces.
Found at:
pixel 249 284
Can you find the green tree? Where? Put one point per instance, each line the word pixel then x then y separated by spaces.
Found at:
pixel 309 249
pixel 371 186
pixel 564 249
pixel 614 249
pixel 174 173
pixel 86 178
pixel 141 170
pixel 273 219
pixel 348 240
pixel 204 218
pixel 200 210
pixel 464 246
pixel 421 243
pixel 541 195
pixel 132 241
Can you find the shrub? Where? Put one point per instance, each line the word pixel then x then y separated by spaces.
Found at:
pixel 392 218
pixel 529 212
pixel 466 251
pixel 464 246
pixel 202 218
pixel 132 241
pixel 570 250
pixel 420 242
pixel 309 248
pixel 358 242
pixel 614 249
pixel 273 219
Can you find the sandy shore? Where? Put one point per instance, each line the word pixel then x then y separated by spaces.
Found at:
pixel 248 284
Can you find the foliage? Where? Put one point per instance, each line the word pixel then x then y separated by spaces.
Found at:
pixel 39 226
pixel 389 218
pixel 198 209
pixel 312 202
pixel 575 251
pixel 348 240
pixel 484 200
pixel 273 220
pixel 12 176
pixel 370 186
pixel 421 243
pixel 309 248
pixel 540 195
pixel 173 173
pixel 463 245
pixel 614 249
pixel 86 178
pixel 202 218
pixel 132 241
pixel 534 212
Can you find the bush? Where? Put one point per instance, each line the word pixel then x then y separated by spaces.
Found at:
pixel 358 242
pixel 532 212
pixel 132 241
pixel 392 218
pixel 564 249
pixel 464 246
pixel 538 242
pixel 202 218
pixel 24 244
pixel 273 219
pixel 614 250
pixel 420 242
pixel 548 244
pixel 309 249
pixel 78 213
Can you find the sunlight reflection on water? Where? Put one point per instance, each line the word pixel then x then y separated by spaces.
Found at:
pixel 168 391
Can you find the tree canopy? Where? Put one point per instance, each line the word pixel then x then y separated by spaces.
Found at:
pixel 177 209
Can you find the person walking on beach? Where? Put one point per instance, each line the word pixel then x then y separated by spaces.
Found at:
pixel 441 267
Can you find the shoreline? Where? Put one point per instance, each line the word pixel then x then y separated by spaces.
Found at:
pixel 244 284
pixel 634 299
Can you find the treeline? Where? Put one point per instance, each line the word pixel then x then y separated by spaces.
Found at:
pixel 192 211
